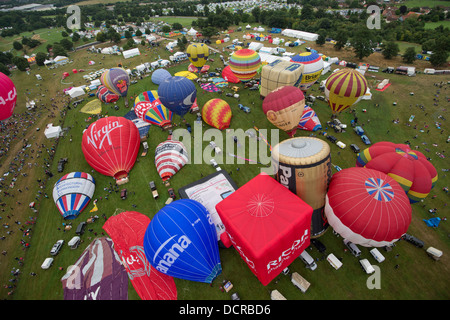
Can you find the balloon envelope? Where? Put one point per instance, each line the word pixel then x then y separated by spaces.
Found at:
pixel 159 75
pixel 8 97
pixel 110 145
pixel 284 108
pixel 229 76
pixel 106 96
pixel 154 113
pixel 245 63
pixel 309 120
pixel 116 80
pixel 313 66
pixel 181 241
pixel 72 193
pixel 177 94
pixel 217 113
pixel 410 168
pixel 345 88
pixel 367 207
pixel 198 54
pixel 170 157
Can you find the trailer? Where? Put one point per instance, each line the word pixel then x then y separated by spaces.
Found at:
pixel 300 282
pixel 335 263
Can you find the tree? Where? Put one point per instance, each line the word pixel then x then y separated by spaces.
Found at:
pixel 181 45
pixel 4 69
pixel 390 50
pixel 177 26
pixel 410 55
pixel 341 39
pixel 439 58
pixel 40 58
pixel 21 63
pixel 17 45
pixel 362 43
pixel 165 29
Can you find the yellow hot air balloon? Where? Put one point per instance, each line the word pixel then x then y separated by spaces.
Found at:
pixel 345 88
pixel 198 54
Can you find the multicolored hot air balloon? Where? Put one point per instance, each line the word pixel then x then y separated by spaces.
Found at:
pixel 245 63
pixel 106 96
pixel 284 108
pixel 181 242
pixel 367 207
pixel 198 54
pixel 154 113
pixel 8 97
pixel 309 120
pixel 159 75
pixel 177 94
pixel 116 80
pixel 345 88
pixel 72 193
pixel 229 76
pixel 410 168
pixel 110 145
pixel 170 157
pixel 313 66
pixel 217 113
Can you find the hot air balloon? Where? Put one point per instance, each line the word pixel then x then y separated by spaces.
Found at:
pixel 192 68
pixel 8 97
pixel 345 88
pixel 284 108
pixel 181 242
pixel 267 224
pixel 170 157
pixel 245 63
pixel 313 66
pixel 127 230
pixel 110 146
pixel 177 94
pixel 229 76
pixel 410 168
pixel 72 193
pixel 116 80
pixel 106 96
pixel 154 113
pixel 309 120
pixel 198 54
pixel 367 207
pixel 159 75
pixel 280 73
pixel 217 113
pixel 97 275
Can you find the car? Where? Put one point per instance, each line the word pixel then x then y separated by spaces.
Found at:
pixel 154 190
pixel 319 245
pixel 359 130
pixel 365 139
pixel 56 247
pixel 415 241
pixel 355 148
pixel 123 194
pixel 341 145
pixel 215 165
pixel 244 108
pixel 61 164
pixel 171 193
pixel 332 139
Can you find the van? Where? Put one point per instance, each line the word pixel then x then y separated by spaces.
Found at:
pixel 366 266
pixel 434 253
pixel 353 248
pixel 300 282
pixel 74 242
pixel 80 228
pixel 377 255
pixel 415 241
pixel 276 295
pixel 47 263
pixel 308 260
pixel 335 263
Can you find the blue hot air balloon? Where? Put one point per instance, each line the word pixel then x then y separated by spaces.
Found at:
pixel 159 75
pixel 181 241
pixel 177 94
pixel 72 193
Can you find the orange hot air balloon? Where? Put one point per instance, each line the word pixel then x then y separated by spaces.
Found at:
pixel 217 113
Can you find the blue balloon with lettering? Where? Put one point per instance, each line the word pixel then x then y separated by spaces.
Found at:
pixel 177 94
pixel 181 241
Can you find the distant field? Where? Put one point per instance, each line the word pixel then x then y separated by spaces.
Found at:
pixel 47 35
pixel 432 25
pixel 425 3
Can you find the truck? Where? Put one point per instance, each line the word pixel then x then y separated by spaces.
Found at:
pixel 335 263
pixel 300 282
pixel 153 189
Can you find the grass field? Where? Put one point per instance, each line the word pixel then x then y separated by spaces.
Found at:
pixel 418 277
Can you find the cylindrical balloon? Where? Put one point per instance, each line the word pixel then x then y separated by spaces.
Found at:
pixel 170 157
pixel 106 96
pixel 159 75
pixel 8 97
pixel 177 94
pixel 303 165
pixel 110 146
pixel 72 193
pixel 345 88
pixel 245 63
pixel 198 54
pixel 229 76
pixel 410 168
pixel 313 66
pixel 367 207
pixel 217 113
pixel 116 80
pixel 181 241
pixel 284 108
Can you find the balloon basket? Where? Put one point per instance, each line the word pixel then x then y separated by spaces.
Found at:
pixel 122 181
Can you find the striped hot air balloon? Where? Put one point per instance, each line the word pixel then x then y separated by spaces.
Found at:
pixel 106 96
pixel 410 168
pixel 72 193
pixel 245 63
pixel 217 113
pixel 313 66
pixel 198 54
pixel 345 88
pixel 154 113
pixel 170 157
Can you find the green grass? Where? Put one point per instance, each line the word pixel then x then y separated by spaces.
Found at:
pixel 418 276
pixel 433 25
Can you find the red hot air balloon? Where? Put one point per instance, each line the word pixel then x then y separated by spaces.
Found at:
pixel 8 97
pixel 110 146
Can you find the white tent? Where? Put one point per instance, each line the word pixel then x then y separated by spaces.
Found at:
pixel 75 92
pixel 131 53
pixel 61 60
pixel 108 50
pixel 255 46
pixel 300 34
pixel 52 132
pixel 192 32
